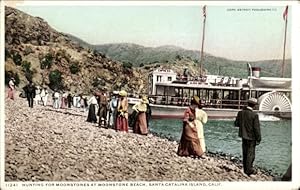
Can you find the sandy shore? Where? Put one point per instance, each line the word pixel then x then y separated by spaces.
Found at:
pixel 44 144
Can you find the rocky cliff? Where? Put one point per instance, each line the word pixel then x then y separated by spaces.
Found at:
pixel 35 51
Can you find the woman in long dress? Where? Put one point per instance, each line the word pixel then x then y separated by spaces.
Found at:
pixel 192 142
pixel 92 102
pixel 11 89
pixel 122 114
pixel 140 126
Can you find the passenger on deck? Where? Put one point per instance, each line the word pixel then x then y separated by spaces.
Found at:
pixel 192 140
pixel 140 125
pixel 122 115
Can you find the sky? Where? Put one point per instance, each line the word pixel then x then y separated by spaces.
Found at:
pixel 247 33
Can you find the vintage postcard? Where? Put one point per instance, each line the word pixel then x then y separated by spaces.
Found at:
pixel 150 94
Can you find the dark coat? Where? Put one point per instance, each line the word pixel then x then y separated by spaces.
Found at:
pixel 248 123
pixel 29 91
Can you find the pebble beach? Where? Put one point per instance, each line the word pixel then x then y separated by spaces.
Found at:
pixel 46 144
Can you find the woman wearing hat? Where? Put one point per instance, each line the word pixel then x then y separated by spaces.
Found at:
pixel 11 89
pixel 92 102
pixel 192 139
pixel 140 125
pixel 122 115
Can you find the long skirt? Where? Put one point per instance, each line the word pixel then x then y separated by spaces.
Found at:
pixel 202 144
pixel 140 126
pixel 122 124
pixel 63 102
pixel 189 142
pixel 92 114
pixel 45 99
pixel 112 118
pixel 56 103
pixel 11 93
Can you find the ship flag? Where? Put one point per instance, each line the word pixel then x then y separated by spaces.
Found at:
pixel 285 13
pixel 204 11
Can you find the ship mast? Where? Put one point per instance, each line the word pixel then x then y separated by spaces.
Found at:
pixel 203 36
pixel 285 14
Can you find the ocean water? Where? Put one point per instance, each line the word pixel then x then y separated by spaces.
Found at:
pixel 273 153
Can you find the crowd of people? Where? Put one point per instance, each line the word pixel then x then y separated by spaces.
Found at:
pixel 110 110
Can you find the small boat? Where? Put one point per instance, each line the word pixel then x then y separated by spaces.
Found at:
pixel 270 82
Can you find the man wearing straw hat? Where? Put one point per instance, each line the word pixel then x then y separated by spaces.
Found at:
pixel 249 131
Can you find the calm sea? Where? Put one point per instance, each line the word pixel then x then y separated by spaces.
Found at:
pixel 273 153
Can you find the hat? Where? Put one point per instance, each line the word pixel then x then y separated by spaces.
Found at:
pixel 115 92
pixel 123 93
pixel 252 101
pixel 151 100
pixel 144 100
pixel 196 100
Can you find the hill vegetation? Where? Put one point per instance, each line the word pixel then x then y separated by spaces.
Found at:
pixel 139 56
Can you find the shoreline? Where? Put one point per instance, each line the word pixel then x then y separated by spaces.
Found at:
pixel 56 145
pixel 224 156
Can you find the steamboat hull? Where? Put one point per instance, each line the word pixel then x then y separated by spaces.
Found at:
pixel 176 112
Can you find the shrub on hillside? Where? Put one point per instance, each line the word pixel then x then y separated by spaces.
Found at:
pixel 95 52
pixel 74 68
pixel 47 61
pixel 17 58
pixel 178 57
pixel 56 80
pixel 127 65
pixel 26 65
pixel 26 68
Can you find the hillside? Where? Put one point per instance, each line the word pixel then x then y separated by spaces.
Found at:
pixel 139 55
pixel 35 51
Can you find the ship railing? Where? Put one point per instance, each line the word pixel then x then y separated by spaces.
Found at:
pixel 209 102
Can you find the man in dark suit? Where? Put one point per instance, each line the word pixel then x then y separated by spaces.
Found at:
pixel 249 131
pixel 30 93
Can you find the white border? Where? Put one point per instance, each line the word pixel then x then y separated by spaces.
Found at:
pixel 2 93
pixel 294 9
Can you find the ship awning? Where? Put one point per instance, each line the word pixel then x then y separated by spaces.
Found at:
pixel 198 86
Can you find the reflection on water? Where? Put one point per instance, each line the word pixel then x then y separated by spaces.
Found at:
pixel 273 153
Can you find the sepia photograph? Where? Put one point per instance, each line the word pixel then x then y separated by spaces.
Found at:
pixel 146 95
